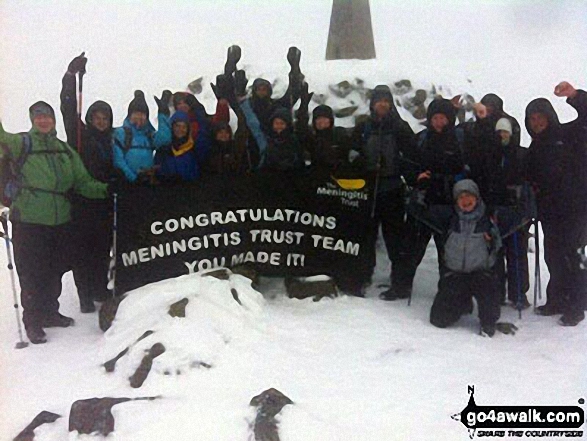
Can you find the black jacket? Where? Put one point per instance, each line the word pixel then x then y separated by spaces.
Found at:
pixel 557 164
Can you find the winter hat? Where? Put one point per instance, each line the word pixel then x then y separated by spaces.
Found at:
pixel 504 124
pixel 444 106
pixel 262 82
pixel 380 92
pixel 138 104
pixel 323 111
pixel 41 108
pixel 179 116
pixel 465 186
pixel 99 106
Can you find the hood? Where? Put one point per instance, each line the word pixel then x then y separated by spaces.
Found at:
pixel 542 105
pixel 282 114
pixel 444 106
pixel 494 101
pixel 323 111
pixel 99 106
pixel 381 92
pixel 259 82
pixel 41 108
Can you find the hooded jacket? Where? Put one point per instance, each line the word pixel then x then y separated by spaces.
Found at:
pixel 96 148
pixel 328 148
pixel 440 153
pixel 557 164
pixel 383 142
pixel 143 142
pixel 51 170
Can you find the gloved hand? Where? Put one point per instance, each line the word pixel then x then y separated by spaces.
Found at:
pixel 240 83
pixel 233 57
pixel 293 58
pixel 305 97
pixel 163 102
pixel 78 64
pixel 223 87
pixel 506 328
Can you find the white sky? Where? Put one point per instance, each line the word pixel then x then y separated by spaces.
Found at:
pixel 518 49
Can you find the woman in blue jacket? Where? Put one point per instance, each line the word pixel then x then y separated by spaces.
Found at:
pixel 137 139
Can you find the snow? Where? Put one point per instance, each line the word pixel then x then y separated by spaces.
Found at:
pixel 356 369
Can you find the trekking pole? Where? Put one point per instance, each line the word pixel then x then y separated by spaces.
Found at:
pixel 518 281
pixel 537 281
pixel 80 87
pixel 4 220
pixel 114 242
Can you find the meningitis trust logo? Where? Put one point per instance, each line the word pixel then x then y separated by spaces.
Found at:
pixel 521 421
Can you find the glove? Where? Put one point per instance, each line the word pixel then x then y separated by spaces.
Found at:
pixel 78 64
pixel 224 86
pixel 506 328
pixel 163 102
pixel 240 83
pixel 305 97
pixel 233 57
pixel 293 58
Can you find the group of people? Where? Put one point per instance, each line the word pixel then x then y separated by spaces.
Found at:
pixel 464 185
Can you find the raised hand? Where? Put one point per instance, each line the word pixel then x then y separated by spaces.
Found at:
pixel 78 64
pixel 565 89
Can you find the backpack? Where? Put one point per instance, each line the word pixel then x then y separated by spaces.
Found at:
pixel 128 139
pixel 11 179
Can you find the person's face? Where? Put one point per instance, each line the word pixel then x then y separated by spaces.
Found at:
pixel 382 107
pixel 182 106
pixel 180 129
pixel 262 91
pixel 490 109
pixel 538 122
pixel 44 123
pixel 100 121
pixel 439 121
pixel 467 202
pixel 279 125
pixel 505 137
pixel 139 119
pixel 322 123
pixel 223 135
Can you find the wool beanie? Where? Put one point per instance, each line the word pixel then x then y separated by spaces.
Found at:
pixel 465 186
pixel 504 124
pixel 138 104
pixel 41 108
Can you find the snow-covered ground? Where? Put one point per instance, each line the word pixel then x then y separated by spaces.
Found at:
pixel 356 369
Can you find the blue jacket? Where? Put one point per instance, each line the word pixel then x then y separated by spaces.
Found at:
pixel 145 140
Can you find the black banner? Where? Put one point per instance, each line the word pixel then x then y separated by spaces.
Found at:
pixel 280 224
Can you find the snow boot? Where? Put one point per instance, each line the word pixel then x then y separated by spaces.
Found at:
pixel 87 306
pixel 57 320
pixel 392 294
pixel 571 318
pixel 36 335
pixel 487 330
pixel 549 309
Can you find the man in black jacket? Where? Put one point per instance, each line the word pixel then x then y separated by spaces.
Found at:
pixel 92 217
pixel 385 143
pixel 557 164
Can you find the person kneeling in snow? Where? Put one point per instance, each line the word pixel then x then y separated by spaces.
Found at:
pixel 471 243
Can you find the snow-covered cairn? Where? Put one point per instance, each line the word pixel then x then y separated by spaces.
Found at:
pixel 175 325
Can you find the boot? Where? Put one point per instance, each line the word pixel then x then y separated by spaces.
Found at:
pixel 36 335
pixel 392 294
pixel 87 306
pixel 233 57
pixel 549 309
pixel 57 320
pixel 487 330
pixel 571 318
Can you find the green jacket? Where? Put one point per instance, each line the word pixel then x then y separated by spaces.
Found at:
pixel 51 170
